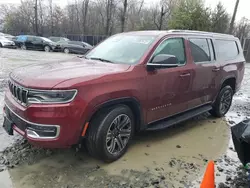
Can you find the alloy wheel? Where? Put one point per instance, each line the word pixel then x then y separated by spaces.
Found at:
pixel 66 51
pixel 226 101
pixel 47 49
pixel 23 47
pixel 118 134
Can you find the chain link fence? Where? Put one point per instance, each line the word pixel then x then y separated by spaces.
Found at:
pixel 91 39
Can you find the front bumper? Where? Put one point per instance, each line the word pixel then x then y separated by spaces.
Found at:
pixel 10 46
pixel 56 48
pixel 48 126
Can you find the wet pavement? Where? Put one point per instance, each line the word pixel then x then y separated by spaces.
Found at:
pixel 173 158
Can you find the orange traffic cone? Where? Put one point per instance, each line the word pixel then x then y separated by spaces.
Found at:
pixel 208 179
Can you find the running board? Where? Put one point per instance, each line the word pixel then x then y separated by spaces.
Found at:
pixel 168 122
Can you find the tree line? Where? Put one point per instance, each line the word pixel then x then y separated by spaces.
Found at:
pixel 107 17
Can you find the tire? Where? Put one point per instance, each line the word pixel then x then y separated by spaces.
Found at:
pixel 66 50
pixel 47 49
pixel 223 102
pixel 23 47
pixel 1 45
pixel 102 133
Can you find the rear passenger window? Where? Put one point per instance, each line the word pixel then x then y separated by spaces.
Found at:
pixel 226 49
pixel 200 50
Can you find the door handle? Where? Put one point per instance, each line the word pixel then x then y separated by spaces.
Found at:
pixel 185 75
pixel 216 69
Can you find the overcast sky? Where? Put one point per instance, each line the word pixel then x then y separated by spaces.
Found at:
pixel 243 10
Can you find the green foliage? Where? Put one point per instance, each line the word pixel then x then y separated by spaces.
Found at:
pixel 220 19
pixel 192 15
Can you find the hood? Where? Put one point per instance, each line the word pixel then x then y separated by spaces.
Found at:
pixel 51 74
pixel 5 40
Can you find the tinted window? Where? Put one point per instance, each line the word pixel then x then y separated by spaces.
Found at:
pixel 30 38
pixel 226 49
pixel 55 39
pixel 200 50
pixel 37 39
pixel 174 46
pixel 76 43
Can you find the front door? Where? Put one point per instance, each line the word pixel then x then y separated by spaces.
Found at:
pixel 38 43
pixel 169 88
pixel 206 75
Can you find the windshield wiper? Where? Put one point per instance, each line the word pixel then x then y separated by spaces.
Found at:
pixel 82 56
pixel 101 59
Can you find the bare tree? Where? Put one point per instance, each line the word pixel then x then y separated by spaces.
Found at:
pixel 36 17
pixel 164 13
pixel 51 17
pixel 109 13
pixel 123 14
pixel 85 7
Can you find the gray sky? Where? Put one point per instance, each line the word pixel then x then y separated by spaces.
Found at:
pixel 243 10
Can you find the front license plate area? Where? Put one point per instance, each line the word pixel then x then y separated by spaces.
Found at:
pixel 8 126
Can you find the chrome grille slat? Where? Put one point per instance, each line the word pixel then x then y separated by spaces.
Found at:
pixel 19 93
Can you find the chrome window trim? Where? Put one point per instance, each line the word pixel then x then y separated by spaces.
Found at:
pixel 58 128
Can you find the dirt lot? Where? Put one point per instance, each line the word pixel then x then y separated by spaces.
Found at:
pixel 172 158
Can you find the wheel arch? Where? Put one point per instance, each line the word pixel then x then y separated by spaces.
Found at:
pixel 231 81
pixel 131 102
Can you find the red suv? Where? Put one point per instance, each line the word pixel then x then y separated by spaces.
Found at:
pixel 146 80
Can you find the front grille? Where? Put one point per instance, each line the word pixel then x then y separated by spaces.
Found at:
pixel 18 92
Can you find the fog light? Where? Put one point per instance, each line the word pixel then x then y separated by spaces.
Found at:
pixel 36 131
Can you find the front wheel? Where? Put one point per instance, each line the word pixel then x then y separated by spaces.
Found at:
pixel 223 102
pixel 66 51
pixel 47 49
pixel 109 133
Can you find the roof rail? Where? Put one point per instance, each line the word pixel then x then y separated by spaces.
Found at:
pixel 198 32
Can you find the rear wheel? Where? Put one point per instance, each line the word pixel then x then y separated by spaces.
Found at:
pixel 23 47
pixel 66 51
pixel 47 49
pixel 1 45
pixel 223 102
pixel 109 133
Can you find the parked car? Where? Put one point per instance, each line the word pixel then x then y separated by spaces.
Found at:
pixel 74 47
pixel 146 80
pixel 36 43
pixel 4 42
pixel 57 39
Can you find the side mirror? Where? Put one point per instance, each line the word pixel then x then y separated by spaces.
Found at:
pixel 165 60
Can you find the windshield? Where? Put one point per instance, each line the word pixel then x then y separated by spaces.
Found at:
pixel 124 49
pixel 47 40
pixel 3 38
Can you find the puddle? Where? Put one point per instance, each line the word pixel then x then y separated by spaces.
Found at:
pixel 193 142
pixel 5 180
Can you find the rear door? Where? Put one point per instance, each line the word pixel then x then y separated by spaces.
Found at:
pixel 29 42
pixel 206 76
pixel 169 88
pixel 38 43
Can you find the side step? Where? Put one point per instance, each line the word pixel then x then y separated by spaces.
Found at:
pixel 168 122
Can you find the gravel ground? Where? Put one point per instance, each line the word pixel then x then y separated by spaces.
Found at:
pixel 173 158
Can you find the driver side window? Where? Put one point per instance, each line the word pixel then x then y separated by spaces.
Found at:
pixel 173 46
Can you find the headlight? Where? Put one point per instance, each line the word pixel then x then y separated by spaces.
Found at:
pixel 48 97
